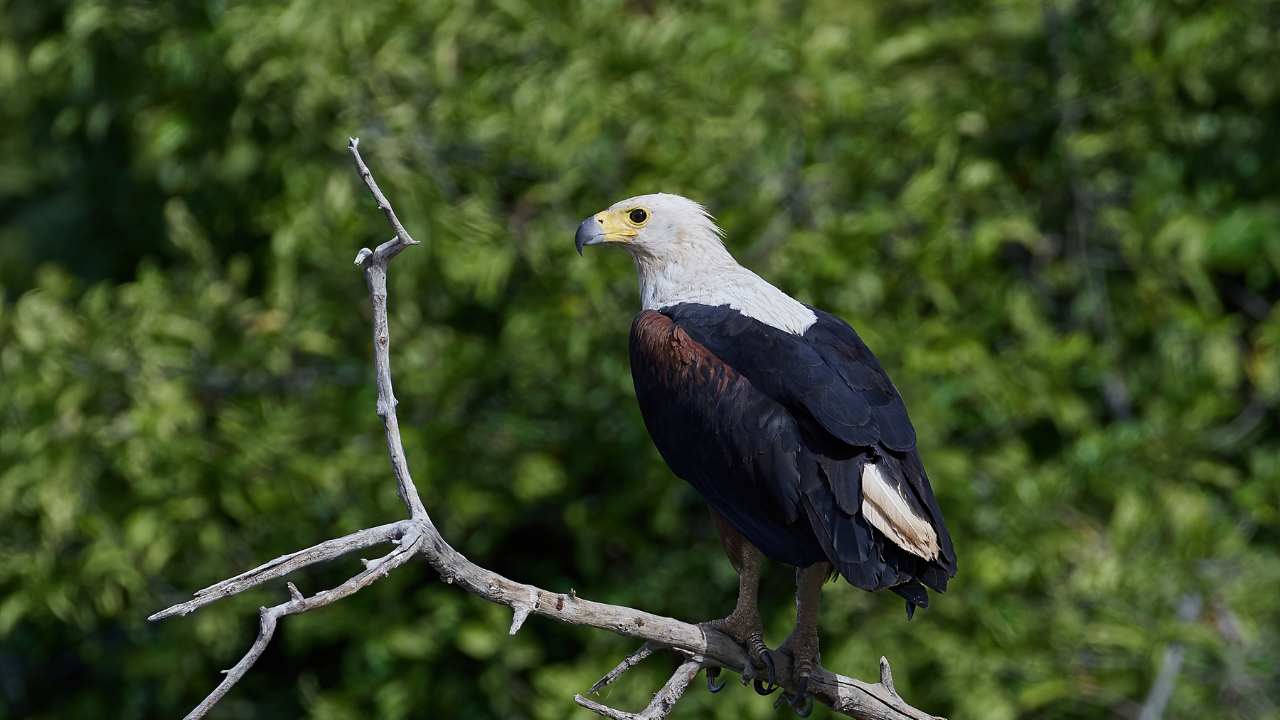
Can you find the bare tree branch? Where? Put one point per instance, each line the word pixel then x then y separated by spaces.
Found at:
pixel 662 702
pixel 268 617
pixel 285 564
pixel 375 274
pixel 403 238
pixel 627 663
pixel 417 536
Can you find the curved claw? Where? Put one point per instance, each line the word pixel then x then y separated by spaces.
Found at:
pixel 801 703
pixel 770 685
pixel 712 686
pixel 762 689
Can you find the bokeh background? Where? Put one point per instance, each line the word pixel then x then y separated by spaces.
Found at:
pixel 1057 222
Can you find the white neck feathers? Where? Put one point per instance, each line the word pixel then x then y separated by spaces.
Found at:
pixel 702 271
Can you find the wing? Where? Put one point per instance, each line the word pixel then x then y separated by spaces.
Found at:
pixel 850 416
pixel 850 358
pixel 828 373
pixel 845 352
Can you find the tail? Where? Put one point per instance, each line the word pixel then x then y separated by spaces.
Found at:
pixel 915 594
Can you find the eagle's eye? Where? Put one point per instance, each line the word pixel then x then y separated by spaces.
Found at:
pixel 638 216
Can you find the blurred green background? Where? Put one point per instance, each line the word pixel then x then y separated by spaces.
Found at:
pixel 1057 223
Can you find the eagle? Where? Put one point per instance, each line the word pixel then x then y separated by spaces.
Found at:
pixel 782 419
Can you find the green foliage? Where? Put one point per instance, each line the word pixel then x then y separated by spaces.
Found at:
pixel 1058 228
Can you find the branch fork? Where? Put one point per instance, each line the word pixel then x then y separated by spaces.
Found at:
pixel 417 537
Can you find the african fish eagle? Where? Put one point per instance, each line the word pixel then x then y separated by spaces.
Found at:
pixel 781 418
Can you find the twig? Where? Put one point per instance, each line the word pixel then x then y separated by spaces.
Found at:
pixel 418 536
pixel 662 702
pixel 402 236
pixel 375 274
pixel 886 676
pixel 285 564
pixel 627 663
pixel 268 617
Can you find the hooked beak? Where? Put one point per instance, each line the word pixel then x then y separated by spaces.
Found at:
pixel 590 232
pixel 607 226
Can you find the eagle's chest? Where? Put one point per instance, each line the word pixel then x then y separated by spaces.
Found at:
pixel 707 420
pixel 681 387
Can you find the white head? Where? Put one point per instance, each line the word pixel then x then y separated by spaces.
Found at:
pixel 658 228
pixel 680 258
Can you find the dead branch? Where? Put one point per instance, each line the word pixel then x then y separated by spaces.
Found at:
pixel 627 663
pixel 418 536
pixel 662 702
pixel 374 570
pixel 286 564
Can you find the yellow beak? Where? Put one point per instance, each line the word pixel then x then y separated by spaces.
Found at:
pixel 604 227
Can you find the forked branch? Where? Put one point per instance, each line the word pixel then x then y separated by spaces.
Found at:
pixel 417 536
pixel 663 702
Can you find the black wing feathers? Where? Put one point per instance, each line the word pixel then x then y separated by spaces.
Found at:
pixel 841 348
pixel 774 430
pixel 782 366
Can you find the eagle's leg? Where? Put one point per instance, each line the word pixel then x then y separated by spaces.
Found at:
pixel 802 644
pixel 744 623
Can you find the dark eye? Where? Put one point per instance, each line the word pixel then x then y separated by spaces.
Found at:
pixel 638 216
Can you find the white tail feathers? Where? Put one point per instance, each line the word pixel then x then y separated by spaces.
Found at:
pixel 884 507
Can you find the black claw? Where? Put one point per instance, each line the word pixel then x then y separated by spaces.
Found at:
pixel 770 685
pixel 801 703
pixel 712 674
pixel 762 689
